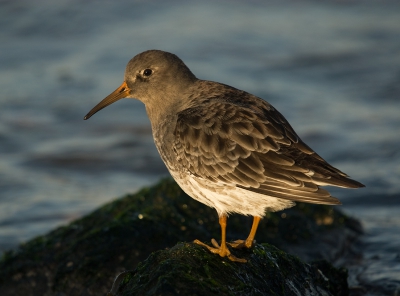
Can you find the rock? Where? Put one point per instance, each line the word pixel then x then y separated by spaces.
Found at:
pixel 84 257
pixel 189 269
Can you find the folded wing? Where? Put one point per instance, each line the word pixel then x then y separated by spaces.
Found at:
pixel 254 147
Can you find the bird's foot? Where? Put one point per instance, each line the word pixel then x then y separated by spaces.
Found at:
pixel 241 244
pixel 222 250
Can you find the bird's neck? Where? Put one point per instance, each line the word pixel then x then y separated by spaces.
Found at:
pixel 157 113
pixel 171 101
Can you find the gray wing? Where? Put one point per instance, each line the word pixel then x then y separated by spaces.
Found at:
pixel 254 147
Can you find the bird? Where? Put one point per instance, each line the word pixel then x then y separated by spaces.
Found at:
pixel 225 147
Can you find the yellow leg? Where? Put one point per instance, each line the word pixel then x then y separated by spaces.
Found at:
pixel 248 243
pixel 222 250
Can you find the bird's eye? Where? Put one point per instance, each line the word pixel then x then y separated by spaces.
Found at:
pixel 147 72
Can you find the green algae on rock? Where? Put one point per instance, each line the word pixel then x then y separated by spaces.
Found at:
pixel 188 269
pixel 85 256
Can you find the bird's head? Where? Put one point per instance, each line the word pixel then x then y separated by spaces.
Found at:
pixel 154 77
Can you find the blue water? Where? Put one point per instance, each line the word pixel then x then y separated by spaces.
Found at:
pixel 332 69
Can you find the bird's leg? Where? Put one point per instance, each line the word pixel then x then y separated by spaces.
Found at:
pixel 249 242
pixel 222 250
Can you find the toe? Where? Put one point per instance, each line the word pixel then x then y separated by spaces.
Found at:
pixel 215 244
pixel 241 244
pixel 236 259
pixel 238 244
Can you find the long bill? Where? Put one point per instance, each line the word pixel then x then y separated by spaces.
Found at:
pixel 121 92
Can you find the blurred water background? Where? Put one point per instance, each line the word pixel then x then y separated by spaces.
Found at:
pixel 331 67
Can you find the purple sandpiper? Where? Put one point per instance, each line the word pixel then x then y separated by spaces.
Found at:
pixel 226 148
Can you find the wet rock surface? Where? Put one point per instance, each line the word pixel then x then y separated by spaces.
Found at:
pixel 188 269
pixel 84 257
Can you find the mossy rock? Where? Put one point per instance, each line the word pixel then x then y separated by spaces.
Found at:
pixel 84 257
pixel 189 269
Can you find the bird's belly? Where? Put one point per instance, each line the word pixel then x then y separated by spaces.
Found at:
pixel 226 198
